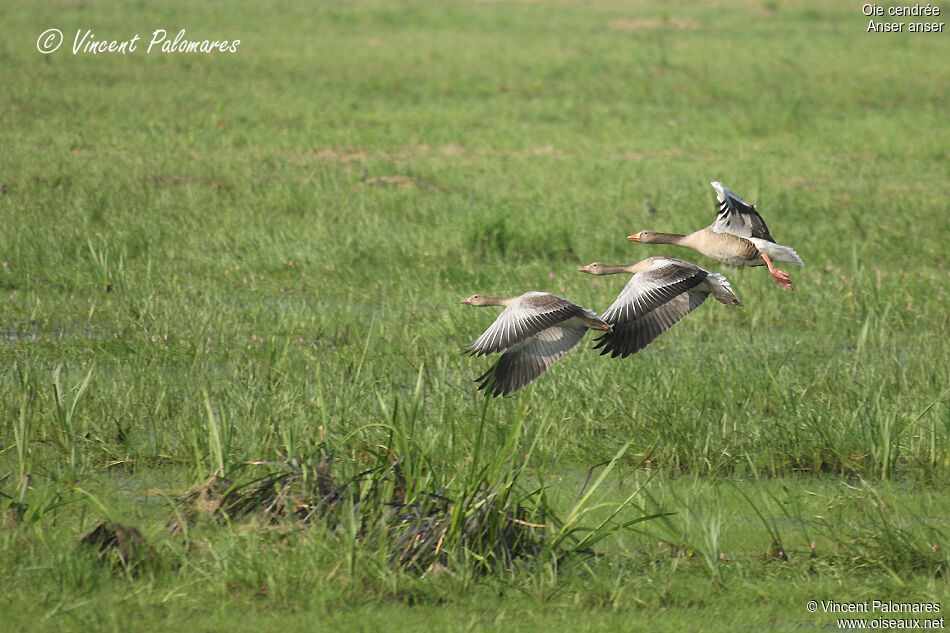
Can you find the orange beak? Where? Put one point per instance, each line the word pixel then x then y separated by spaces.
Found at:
pixel 634 238
pixel 583 269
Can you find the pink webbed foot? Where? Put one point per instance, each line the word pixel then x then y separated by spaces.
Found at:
pixel 781 278
pixel 778 276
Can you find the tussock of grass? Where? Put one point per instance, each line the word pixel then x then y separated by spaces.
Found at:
pixel 489 523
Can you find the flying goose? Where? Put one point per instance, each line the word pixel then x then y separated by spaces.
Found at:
pixel 662 291
pixel 536 330
pixel 738 237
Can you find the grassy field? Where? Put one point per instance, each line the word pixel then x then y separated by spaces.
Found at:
pixel 219 270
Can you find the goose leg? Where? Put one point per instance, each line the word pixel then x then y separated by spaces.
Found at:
pixel 778 276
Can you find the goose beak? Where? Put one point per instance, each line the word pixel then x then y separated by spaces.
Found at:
pixel 583 269
pixel 633 238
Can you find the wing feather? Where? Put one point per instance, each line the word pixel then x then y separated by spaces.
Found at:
pixel 633 335
pixel 666 279
pixel 527 360
pixel 528 315
pixel 738 217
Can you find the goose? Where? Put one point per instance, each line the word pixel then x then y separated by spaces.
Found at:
pixel 661 292
pixel 738 237
pixel 535 329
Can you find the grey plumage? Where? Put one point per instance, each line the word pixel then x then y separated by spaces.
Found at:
pixel 525 361
pixel 738 217
pixel 660 293
pixel 634 334
pixel 536 329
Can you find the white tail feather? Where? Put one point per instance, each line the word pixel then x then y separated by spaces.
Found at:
pixel 778 253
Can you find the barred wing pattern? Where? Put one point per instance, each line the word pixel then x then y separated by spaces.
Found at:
pixel 524 362
pixel 652 302
pixel 530 314
pixel 633 335
pixel 651 288
pixel 738 217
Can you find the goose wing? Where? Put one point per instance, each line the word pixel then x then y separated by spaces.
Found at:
pixel 663 280
pixel 738 217
pixel 636 333
pixel 526 360
pixel 526 316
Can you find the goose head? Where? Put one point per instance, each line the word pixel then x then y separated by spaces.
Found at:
pixel 477 300
pixel 595 268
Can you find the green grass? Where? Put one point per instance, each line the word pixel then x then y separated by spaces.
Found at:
pixel 213 260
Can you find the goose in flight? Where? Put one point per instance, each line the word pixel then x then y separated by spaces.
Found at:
pixel 535 330
pixel 661 292
pixel 738 237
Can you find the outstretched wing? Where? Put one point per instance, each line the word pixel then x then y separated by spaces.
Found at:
pixel 528 315
pixel 634 334
pixel 525 361
pixel 738 217
pixel 649 289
